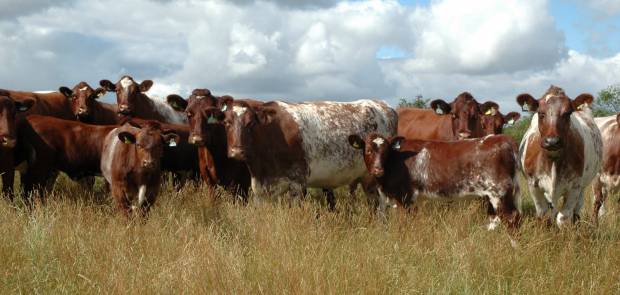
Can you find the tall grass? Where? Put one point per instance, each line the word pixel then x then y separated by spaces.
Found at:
pixel 78 243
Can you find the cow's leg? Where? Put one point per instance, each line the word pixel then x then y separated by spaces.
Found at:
pixel 572 201
pixel 598 208
pixel 8 178
pixel 87 183
pixel 540 202
pixel 331 199
pixel 493 207
pixel 122 202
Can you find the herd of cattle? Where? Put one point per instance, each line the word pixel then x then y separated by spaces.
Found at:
pixel 451 150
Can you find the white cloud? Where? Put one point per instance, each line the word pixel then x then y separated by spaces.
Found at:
pixel 607 7
pixel 300 50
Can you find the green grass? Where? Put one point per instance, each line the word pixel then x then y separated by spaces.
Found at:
pixel 78 243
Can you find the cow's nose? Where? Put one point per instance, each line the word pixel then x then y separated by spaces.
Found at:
pixel 378 172
pixel 236 153
pixel 464 134
pixel 147 163
pixel 552 143
pixel 123 109
pixel 8 142
pixel 81 111
pixel 196 139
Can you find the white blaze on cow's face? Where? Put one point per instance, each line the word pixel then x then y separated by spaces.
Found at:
pixel 239 111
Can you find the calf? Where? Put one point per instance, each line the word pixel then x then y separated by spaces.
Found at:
pixel 493 121
pixel 48 145
pixel 130 163
pixel 405 169
pixel 210 138
pixel 607 181
pixel 9 108
pixel 297 145
pixel 133 102
pixel 560 152
pixel 457 120
pixel 86 108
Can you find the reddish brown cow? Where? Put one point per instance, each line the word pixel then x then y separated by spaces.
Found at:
pixel 130 163
pixel 456 120
pixel 210 137
pixel 46 103
pixel 407 169
pixel 560 152
pixel 9 109
pixel 133 102
pixel 607 181
pixel 493 121
pixel 86 108
pixel 49 145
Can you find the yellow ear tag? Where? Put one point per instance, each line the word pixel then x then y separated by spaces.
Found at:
pixel 581 106
pixel 127 141
pixel 489 112
pixel 356 145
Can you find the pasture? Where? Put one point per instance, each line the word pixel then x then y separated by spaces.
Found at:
pixel 78 243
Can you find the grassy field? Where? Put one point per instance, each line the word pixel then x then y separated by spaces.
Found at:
pixel 77 242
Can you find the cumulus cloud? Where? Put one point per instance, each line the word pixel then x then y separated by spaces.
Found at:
pixel 298 51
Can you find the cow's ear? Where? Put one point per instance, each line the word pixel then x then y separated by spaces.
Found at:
pixel 265 115
pixel 440 107
pixel 107 85
pixel 171 138
pixel 65 91
pixel 127 137
pixel 225 103
pixel 176 102
pixel 23 105
pixel 511 118
pixel 395 142
pixel 99 92
pixel 583 100
pixel 356 141
pixel 489 108
pixel 146 85
pixel 527 102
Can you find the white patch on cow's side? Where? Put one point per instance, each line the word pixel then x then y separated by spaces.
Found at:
pixel 126 82
pixel 324 128
pixel 107 157
pixel 239 110
pixel 44 91
pixel 164 109
pixel 84 88
pixel 379 141
pixel 141 195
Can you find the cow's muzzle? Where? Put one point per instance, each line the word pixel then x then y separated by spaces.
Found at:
pixel 464 134
pixel 148 164
pixel 124 109
pixel 377 172
pixel 552 143
pixel 8 142
pixel 237 153
pixel 196 140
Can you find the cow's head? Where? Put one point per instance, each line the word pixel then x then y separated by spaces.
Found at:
pixel 8 109
pixel 128 93
pixel 83 98
pixel 376 150
pixel 465 112
pixel 240 119
pixel 493 121
pixel 554 111
pixel 197 108
pixel 149 139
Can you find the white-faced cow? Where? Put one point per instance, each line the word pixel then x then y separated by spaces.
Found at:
pixel 130 163
pixel 9 108
pixel 607 182
pixel 299 145
pixel 560 152
pixel 86 107
pixel 444 121
pixel 408 169
pixel 133 102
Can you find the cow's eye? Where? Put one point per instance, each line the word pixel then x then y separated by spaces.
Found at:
pixel 189 115
pixel 541 115
pixel 567 115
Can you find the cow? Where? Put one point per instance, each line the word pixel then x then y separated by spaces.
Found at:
pixel 133 102
pixel 457 120
pixel 210 138
pixel 130 163
pixel 49 145
pixel 47 103
pixel 607 181
pixel 493 121
pixel 407 169
pixel 561 152
pixel 292 146
pixel 85 106
pixel 9 109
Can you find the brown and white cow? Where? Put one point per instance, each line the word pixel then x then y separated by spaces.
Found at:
pixel 297 145
pixel 560 152
pixel 210 138
pixel 9 108
pixel 130 163
pixel 86 107
pixel 407 169
pixel 133 102
pixel 607 181
pixel 493 121
pixel 444 121
pixel 48 145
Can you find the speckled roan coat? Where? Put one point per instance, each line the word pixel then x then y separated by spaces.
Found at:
pixel 607 181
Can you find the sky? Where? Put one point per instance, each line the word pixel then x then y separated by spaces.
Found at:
pixel 315 50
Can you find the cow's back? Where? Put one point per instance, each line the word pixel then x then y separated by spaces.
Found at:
pixel 324 128
pixel 52 104
pixel 424 124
